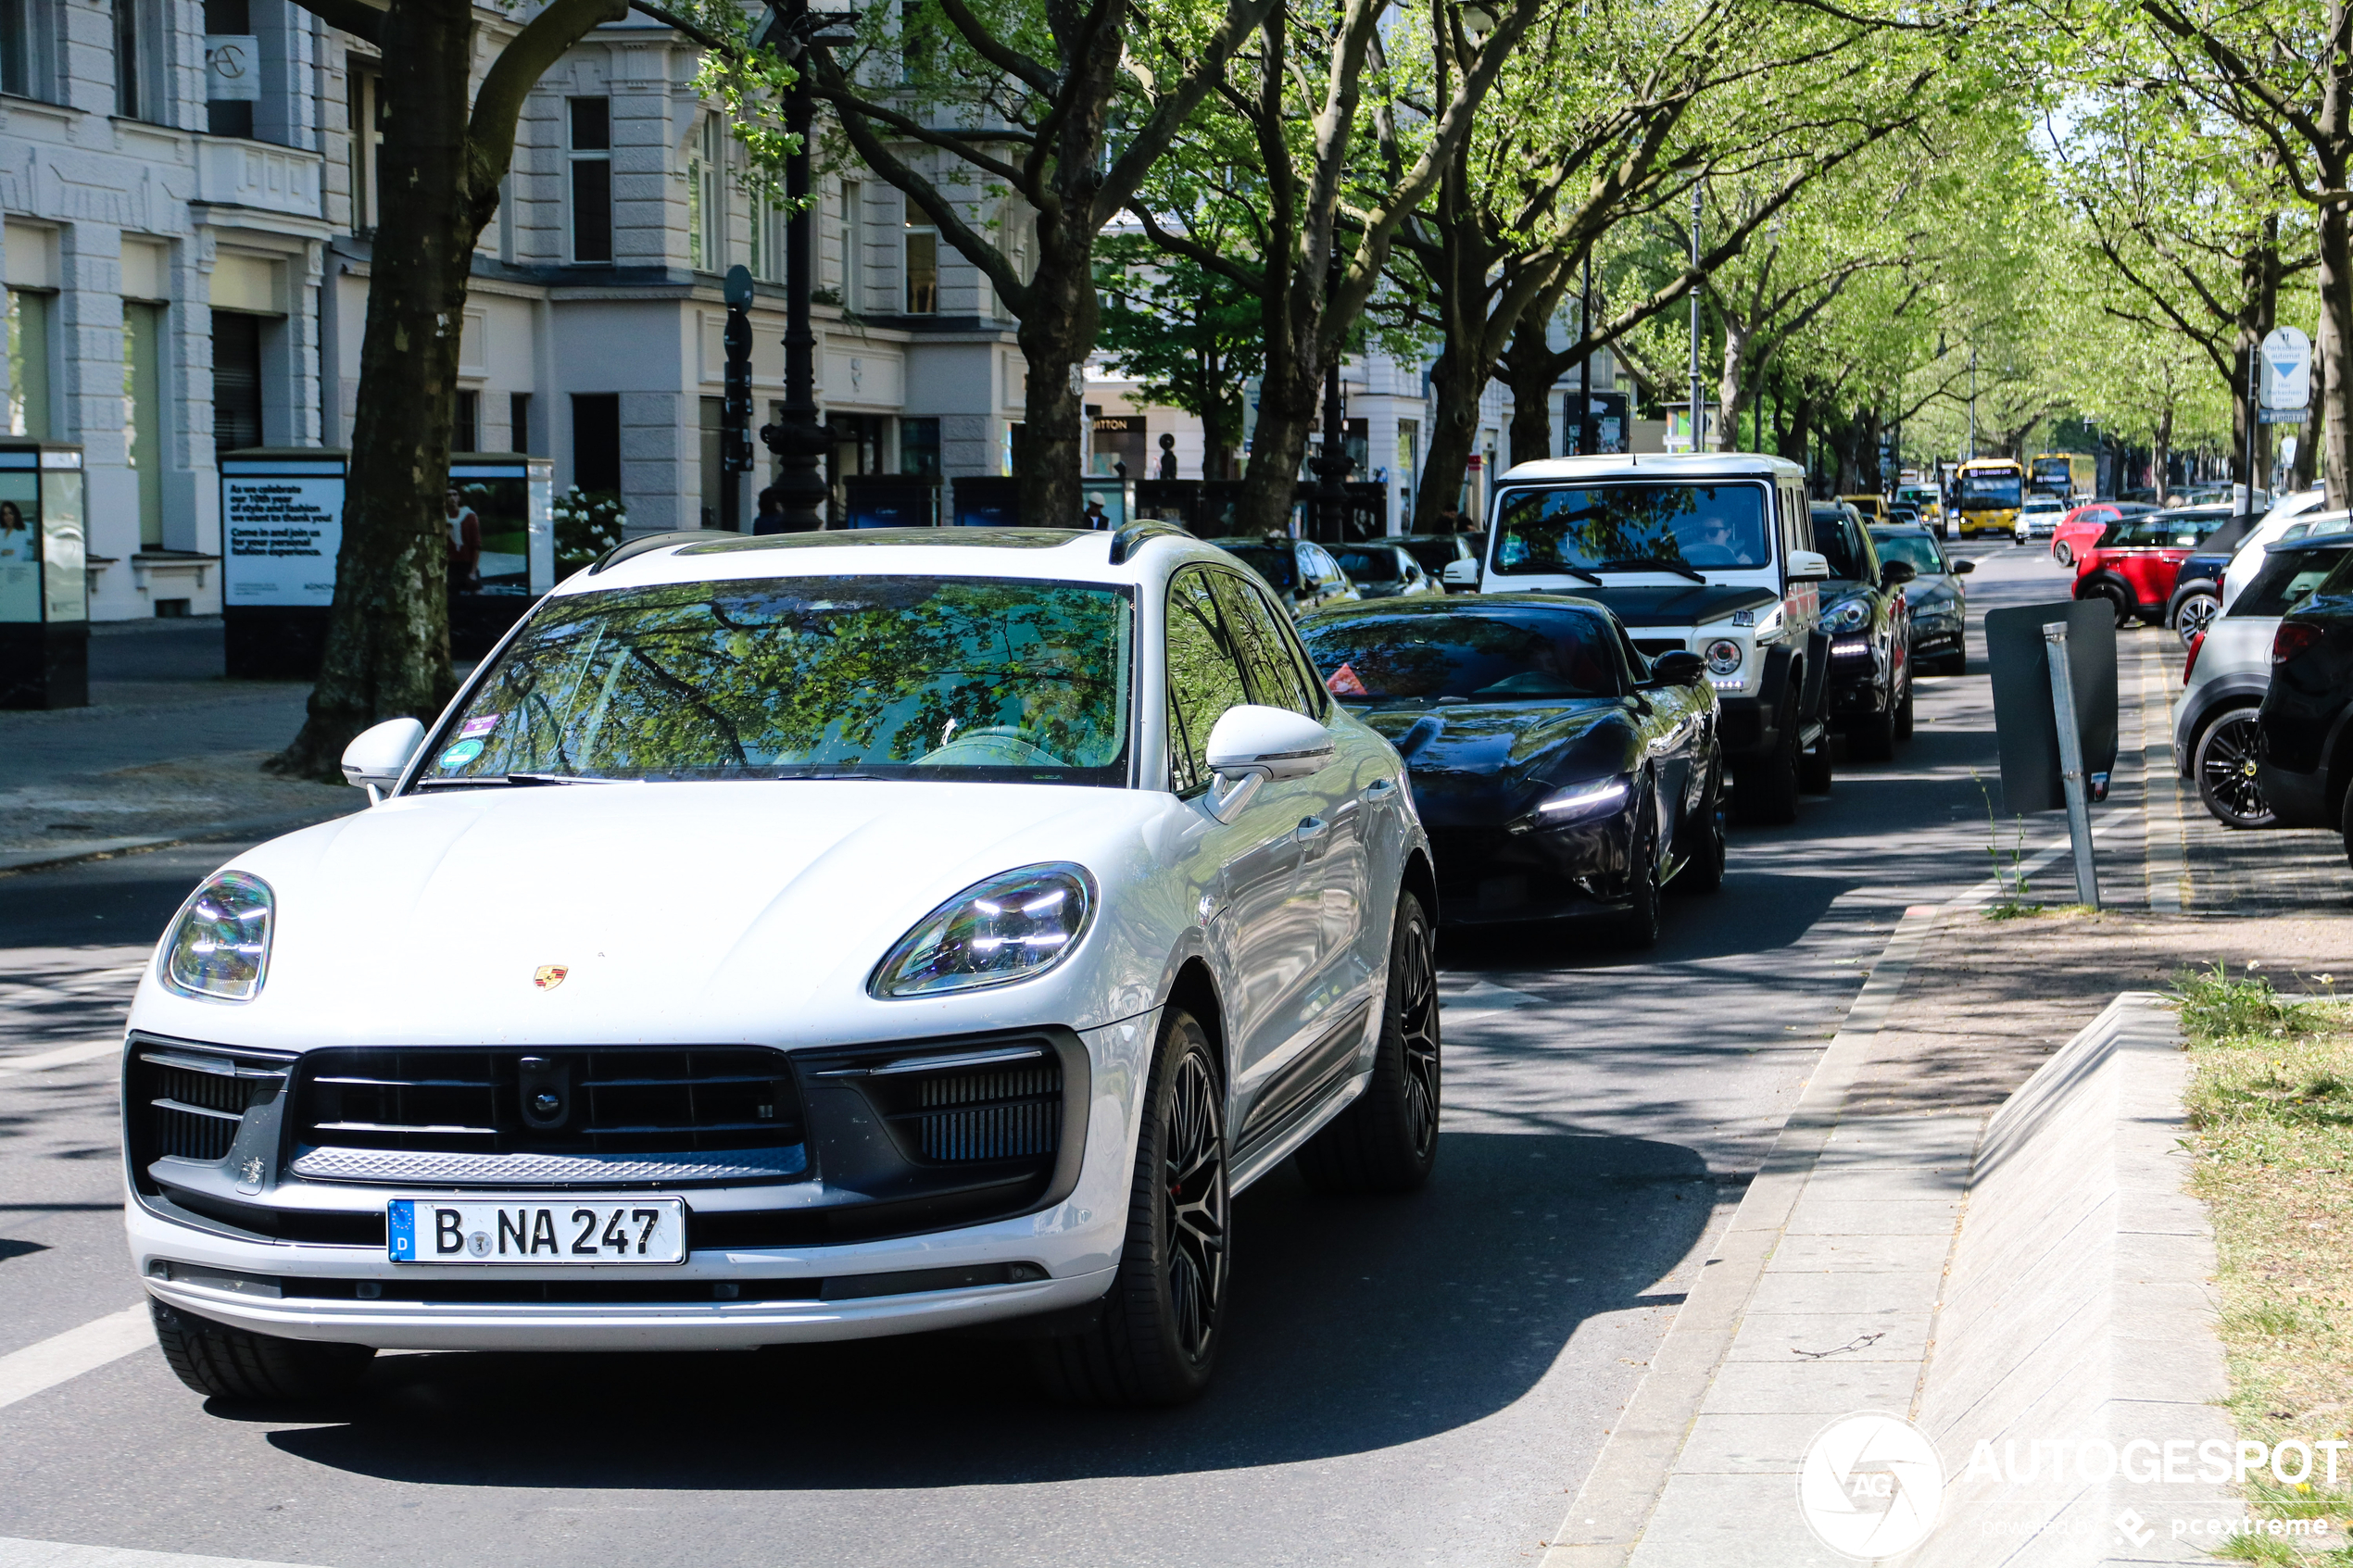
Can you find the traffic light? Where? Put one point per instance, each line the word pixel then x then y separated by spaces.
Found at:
pixel 735 419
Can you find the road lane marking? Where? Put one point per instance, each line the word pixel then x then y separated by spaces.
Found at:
pixel 2167 856
pixel 65 1055
pixel 63 1357
pixel 16 1553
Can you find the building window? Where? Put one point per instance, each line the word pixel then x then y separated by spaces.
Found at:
pixel 465 422
pixel 29 364
pixel 596 440
pixel 366 111
pixel 706 200
pixel 853 245
pixel 768 224
pixel 138 58
pixel 25 45
pixel 591 159
pixel 236 381
pixel 232 68
pixel 919 447
pixel 519 421
pixel 923 271
pixel 142 412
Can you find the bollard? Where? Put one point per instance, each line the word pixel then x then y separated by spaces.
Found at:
pixel 2070 744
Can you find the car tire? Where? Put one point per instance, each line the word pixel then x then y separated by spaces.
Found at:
pixel 2223 765
pixel 2065 552
pixel 221 1362
pixel 1953 663
pixel 1765 789
pixel 1873 737
pixel 1813 770
pixel 2196 612
pixel 1387 1139
pixel 2125 610
pixel 1637 926
pixel 1704 868
pixel 1155 1337
pixel 1903 725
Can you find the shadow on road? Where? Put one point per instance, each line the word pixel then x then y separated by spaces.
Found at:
pixel 1355 1325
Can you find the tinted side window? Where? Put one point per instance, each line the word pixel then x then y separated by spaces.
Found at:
pixel 1204 676
pixel 1267 663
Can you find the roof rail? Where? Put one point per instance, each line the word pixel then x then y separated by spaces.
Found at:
pixel 625 550
pixel 1129 537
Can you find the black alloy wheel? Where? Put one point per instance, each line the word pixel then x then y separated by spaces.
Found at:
pixel 2121 603
pixel 1765 789
pixel 1703 869
pixel 1637 926
pixel 221 1362
pixel 1155 1339
pixel 2224 764
pixel 2195 613
pixel 1387 1139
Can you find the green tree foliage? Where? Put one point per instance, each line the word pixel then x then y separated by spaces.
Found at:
pixel 1190 336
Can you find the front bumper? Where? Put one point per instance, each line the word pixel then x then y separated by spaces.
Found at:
pixel 2297 800
pixel 1489 877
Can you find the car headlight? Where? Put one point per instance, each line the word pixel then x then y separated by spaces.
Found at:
pixel 219 948
pixel 1849 617
pixel 1723 657
pixel 1014 926
pixel 1578 802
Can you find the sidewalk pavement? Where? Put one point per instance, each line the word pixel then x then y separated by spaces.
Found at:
pixel 168 752
pixel 1819 1298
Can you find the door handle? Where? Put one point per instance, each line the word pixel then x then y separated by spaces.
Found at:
pixel 1378 790
pixel 1312 832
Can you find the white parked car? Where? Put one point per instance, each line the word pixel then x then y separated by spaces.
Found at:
pixel 795 938
pixel 2037 519
pixel 2292 518
pixel 2230 669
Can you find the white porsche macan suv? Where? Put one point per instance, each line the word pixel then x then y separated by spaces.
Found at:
pixel 795 938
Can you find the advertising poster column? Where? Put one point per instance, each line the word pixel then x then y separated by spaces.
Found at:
pixel 500 510
pixel 44 585
pixel 281 528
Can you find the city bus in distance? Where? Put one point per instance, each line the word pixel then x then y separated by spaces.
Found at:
pixel 1991 490
pixel 2071 476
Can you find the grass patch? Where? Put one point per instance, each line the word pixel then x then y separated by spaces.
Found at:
pixel 2271 1108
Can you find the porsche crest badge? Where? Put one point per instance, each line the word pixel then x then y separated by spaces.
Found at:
pixel 548 976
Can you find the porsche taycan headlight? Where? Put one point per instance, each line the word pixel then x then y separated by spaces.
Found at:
pixel 1013 926
pixel 219 948
pixel 1852 616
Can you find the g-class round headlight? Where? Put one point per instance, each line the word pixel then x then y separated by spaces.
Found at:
pixel 1848 617
pixel 1013 926
pixel 219 948
pixel 1723 657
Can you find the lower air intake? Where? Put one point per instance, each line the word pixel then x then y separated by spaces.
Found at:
pixel 1007 1113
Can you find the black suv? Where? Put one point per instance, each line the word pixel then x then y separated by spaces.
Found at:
pixel 2304 741
pixel 1864 613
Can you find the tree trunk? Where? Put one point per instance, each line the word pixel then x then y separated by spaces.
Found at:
pixel 1731 390
pixel 2308 445
pixel 1455 384
pixel 387 651
pixel 2336 434
pixel 1057 332
pixel 2161 454
pixel 1867 468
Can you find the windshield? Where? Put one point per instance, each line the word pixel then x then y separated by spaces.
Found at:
pixel 1989 492
pixel 2287 577
pixel 807 677
pixel 1626 525
pixel 1371 566
pixel 1274 562
pixel 1915 551
pixel 2053 472
pixel 1835 537
pixel 1489 657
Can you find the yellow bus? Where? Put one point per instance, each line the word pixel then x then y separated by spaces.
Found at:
pixel 1991 490
pixel 2073 476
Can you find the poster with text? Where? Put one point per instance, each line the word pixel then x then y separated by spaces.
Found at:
pixel 279 539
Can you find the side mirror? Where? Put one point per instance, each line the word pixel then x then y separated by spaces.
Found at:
pixel 1462 575
pixel 1808 566
pixel 1273 743
pixel 1680 667
pixel 1896 574
pixel 1963 567
pixel 376 757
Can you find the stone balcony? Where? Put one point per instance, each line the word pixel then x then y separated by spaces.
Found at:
pixel 259 176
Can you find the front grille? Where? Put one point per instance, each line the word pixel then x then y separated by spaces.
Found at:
pixel 1653 646
pixel 621 1114
pixel 184 1102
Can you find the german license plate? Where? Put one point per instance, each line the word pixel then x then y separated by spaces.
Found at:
pixel 537 1230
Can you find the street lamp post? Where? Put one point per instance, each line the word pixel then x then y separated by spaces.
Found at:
pixel 1332 465
pixel 798 440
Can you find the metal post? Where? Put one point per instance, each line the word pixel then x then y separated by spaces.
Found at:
pixel 1698 403
pixel 2070 740
pixel 1585 362
pixel 798 442
pixel 2254 413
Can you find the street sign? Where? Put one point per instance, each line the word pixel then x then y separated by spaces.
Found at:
pixel 2287 368
pixel 2025 726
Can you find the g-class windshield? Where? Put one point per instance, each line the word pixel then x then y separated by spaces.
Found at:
pixel 1630 526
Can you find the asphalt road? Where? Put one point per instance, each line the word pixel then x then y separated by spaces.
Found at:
pixel 1422 1381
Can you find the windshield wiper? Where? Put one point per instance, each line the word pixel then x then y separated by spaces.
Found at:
pixel 513 779
pixel 1580 572
pixel 1648 563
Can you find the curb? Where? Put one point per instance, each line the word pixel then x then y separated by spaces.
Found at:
pixel 208 832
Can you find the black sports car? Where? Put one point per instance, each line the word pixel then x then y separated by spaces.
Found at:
pixel 1559 771
pixel 1863 610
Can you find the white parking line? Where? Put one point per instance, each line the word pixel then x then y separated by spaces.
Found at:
pixel 16 1553
pixel 65 1055
pixel 64 1356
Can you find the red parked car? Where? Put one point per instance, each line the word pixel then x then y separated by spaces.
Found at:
pixel 2135 562
pixel 2080 529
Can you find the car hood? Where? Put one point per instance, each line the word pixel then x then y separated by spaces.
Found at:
pixel 1931 593
pixel 1683 604
pixel 1481 764
pixel 679 912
